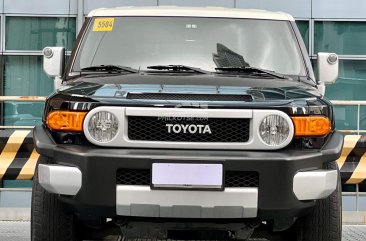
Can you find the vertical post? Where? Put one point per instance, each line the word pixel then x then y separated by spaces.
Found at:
pixel 357 196
pixel 358 118
pixel 311 38
pixel 2 104
pixel 2 69
pixel 80 16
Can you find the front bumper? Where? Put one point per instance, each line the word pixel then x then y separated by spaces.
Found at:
pixel 99 195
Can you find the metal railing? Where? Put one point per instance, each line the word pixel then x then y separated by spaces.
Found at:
pixel 20 99
pixel 23 98
pixel 356 103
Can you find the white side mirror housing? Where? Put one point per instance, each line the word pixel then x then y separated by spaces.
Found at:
pixel 328 64
pixel 53 61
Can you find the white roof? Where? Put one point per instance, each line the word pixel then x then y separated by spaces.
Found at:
pixel 173 11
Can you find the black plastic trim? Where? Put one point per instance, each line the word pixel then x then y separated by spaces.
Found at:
pixel 99 165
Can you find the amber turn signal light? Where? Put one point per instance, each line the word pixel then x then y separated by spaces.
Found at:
pixel 66 120
pixel 311 125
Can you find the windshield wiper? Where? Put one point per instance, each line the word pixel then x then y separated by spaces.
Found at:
pixel 109 69
pixel 251 70
pixel 178 68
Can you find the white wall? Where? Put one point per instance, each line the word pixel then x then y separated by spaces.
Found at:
pixel 339 9
pixel 38 6
pixel 199 3
pixel 297 8
pixel 352 9
pixel 93 4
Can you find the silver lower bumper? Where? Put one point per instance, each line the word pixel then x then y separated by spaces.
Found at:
pixel 142 201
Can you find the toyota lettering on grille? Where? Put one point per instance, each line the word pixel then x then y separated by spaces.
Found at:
pixel 188 128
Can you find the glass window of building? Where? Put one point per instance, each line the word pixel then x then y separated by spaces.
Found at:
pixel 350 85
pixel 24 76
pixel 23 73
pixel 35 33
pixel 344 38
pixel 303 26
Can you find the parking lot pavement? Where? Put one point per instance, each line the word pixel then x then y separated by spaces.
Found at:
pixel 20 231
pixel 354 232
pixel 14 231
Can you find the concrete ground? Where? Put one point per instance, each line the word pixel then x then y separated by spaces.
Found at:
pixel 20 231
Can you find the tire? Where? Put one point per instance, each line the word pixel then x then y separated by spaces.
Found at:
pixel 49 220
pixel 324 223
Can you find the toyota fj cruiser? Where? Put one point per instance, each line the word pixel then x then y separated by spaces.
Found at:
pixel 203 119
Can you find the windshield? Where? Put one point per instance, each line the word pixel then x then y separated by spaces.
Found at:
pixel 205 43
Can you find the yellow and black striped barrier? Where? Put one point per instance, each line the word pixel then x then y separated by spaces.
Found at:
pixel 352 162
pixel 18 158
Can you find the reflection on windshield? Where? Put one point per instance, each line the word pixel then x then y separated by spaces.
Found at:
pixel 204 43
pixel 225 57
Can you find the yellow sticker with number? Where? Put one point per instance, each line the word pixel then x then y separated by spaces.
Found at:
pixel 103 24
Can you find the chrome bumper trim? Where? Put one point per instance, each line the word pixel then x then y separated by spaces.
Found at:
pixel 144 202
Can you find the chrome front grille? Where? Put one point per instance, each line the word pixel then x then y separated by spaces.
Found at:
pixel 188 128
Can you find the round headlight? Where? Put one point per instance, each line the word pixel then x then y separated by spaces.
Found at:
pixel 103 126
pixel 274 130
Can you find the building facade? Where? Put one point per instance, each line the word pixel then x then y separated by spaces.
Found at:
pixel 27 26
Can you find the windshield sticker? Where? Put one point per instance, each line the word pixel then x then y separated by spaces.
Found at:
pixel 103 24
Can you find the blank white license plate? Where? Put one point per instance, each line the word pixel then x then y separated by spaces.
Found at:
pixel 187 175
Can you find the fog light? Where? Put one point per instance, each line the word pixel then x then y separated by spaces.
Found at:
pixel 274 130
pixel 103 126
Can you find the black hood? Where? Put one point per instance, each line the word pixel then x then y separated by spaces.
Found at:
pixel 260 89
pixel 291 96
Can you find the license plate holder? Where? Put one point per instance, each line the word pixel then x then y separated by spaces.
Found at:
pixel 187 176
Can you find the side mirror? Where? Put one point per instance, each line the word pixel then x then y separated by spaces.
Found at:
pixel 327 68
pixel 53 61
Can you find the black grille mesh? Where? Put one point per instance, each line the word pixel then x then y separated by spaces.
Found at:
pixel 185 96
pixel 155 129
pixel 142 177
pixel 241 179
pixel 133 177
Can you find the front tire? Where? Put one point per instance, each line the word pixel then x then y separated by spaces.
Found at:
pixel 324 223
pixel 49 220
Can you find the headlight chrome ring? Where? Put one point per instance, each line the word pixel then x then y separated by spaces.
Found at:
pixel 103 126
pixel 274 130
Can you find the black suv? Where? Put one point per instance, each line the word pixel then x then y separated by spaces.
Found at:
pixel 194 122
